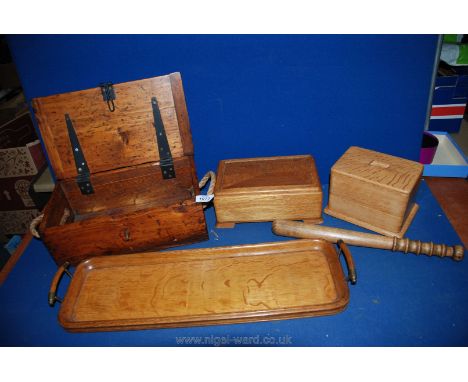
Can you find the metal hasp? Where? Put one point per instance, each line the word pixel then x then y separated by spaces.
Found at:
pixel 165 156
pixel 83 179
pixel 108 95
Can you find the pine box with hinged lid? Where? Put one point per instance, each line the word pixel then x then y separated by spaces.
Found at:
pixel 123 158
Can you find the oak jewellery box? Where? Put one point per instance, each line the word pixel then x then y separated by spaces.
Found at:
pixel 123 158
pixel 374 190
pixel 267 189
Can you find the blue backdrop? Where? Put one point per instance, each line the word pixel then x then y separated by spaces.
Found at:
pixel 269 95
pixel 259 95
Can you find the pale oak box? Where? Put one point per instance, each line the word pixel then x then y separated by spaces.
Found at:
pixel 374 190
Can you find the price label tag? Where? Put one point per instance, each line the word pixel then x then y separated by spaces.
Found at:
pixel 204 198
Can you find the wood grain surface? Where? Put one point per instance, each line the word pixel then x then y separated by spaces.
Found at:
pixel 265 189
pixel 270 173
pixel 132 208
pixel 132 186
pixel 139 230
pixel 452 194
pixel 334 235
pixel 381 169
pixel 110 140
pixel 374 190
pixel 205 286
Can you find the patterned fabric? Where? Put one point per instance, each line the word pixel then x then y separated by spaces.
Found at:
pixel 16 162
pixel 16 222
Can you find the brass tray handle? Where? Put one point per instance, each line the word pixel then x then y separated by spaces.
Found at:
pixel 53 298
pixel 352 275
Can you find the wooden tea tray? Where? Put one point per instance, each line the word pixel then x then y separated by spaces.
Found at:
pixel 259 282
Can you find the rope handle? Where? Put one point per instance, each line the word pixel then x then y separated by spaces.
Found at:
pixel 34 224
pixel 211 176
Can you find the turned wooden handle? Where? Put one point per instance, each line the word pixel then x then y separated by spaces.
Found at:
pixel 52 297
pixel 311 231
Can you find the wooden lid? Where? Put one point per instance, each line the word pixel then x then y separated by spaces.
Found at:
pixel 254 282
pixel 385 170
pixel 267 174
pixel 110 140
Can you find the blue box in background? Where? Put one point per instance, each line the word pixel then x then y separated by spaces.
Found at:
pixel 449 103
pixel 449 160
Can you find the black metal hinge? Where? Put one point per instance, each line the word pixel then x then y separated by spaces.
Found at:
pixel 165 156
pixel 83 177
pixel 108 94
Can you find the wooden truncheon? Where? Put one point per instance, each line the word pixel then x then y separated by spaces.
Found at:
pixel 209 286
pixel 335 235
pixel 123 158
